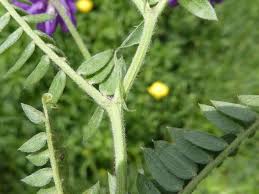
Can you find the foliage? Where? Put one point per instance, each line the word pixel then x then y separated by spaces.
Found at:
pixel 186 34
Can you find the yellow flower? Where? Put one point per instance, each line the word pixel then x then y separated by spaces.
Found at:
pixel 158 90
pixel 84 6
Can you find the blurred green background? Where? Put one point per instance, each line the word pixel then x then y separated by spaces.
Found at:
pixel 199 60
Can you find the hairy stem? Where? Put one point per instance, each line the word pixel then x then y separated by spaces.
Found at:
pixel 151 15
pixel 140 5
pixel 83 84
pixel 52 156
pixel 115 113
pixel 141 52
pixel 219 159
pixel 62 12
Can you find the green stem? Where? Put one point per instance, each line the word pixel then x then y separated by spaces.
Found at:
pixel 83 84
pixel 141 52
pixel 140 5
pixel 151 15
pixel 62 12
pixel 219 159
pixel 115 113
pixel 52 157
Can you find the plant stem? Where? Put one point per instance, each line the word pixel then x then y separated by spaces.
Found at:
pixel 83 84
pixel 140 5
pixel 139 57
pixel 115 113
pixel 219 159
pixel 151 15
pixel 62 12
pixel 52 157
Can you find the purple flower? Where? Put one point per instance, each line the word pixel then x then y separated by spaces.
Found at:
pixel 174 3
pixel 44 6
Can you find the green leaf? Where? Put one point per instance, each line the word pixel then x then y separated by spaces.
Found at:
pixel 220 120
pixel 191 151
pixel 229 138
pixel 39 178
pixel 44 36
pixel 57 50
pixel 38 18
pixel 134 37
pixel 153 2
pixel 4 20
pixel 160 145
pixel 145 186
pixel 102 74
pixel 176 162
pixel 38 73
pixel 250 100
pixel 57 86
pixel 39 159
pixel 35 143
pixel 123 66
pixel 237 111
pixel 109 86
pixel 158 171
pixel 112 183
pixel 94 189
pixel 51 190
pixel 205 140
pixel 11 39
pixel 200 8
pixel 95 63
pixel 33 114
pixel 93 124
pixel 27 53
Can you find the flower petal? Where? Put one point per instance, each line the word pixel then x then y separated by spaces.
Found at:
pixel 24 6
pixel 37 8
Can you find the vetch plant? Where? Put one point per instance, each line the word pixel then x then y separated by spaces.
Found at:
pixel 175 166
